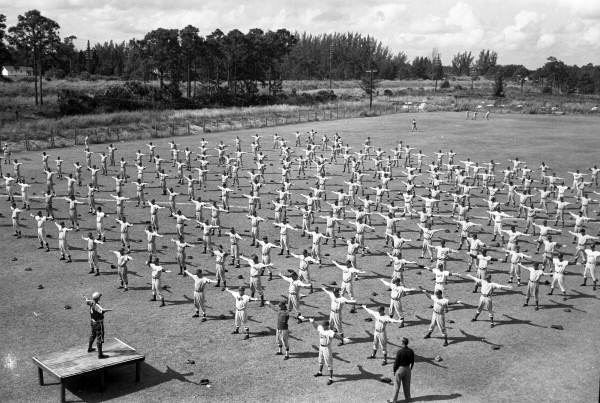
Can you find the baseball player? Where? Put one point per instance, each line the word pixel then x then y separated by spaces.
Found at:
pixel 294 293
pixel 397 292
pixel 199 300
pixel 234 239
pixel 265 252
pixel 156 271
pixel 303 273
pixel 533 286
pixel 560 265
pixel 241 313
pixel 487 290
pixel 591 261
pixel 380 333
pixel 63 246
pixel 220 269
pixel 515 257
pixel 255 270
pixel 347 280
pixel 335 314
pixel 122 259
pixel 326 335
pixel 438 317
pixel 92 252
pixel 181 256
pixel 151 238
pixel 41 230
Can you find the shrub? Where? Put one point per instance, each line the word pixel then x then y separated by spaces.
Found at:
pixel 445 84
pixel 547 90
pixel 388 93
pixel 75 103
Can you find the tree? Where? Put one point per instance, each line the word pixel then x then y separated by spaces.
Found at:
pixel 498 86
pixel 474 73
pixel 4 53
pixel 521 75
pixel 162 51
pixel 461 63
pixel 190 47
pixel 486 62
pixel 420 67
pixel 437 71
pixel 38 37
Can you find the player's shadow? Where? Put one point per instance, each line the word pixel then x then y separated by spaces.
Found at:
pixel 431 361
pixel 119 382
pixel 359 340
pixel 432 398
pixel 469 337
pixel 419 321
pixel 556 305
pixel 186 300
pixel 578 294
pixel 515 321
pixel 361 375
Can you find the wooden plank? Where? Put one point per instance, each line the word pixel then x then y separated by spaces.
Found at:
pixel 77 360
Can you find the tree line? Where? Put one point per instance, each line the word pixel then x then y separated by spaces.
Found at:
pixel 240 63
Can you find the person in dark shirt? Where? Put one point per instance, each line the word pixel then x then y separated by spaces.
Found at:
pixel 282 332
pixel 97 323
pixel 405 359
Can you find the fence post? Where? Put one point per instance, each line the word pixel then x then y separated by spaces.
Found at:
pixel 204 126
pixel 266 121
pixel 188 128
pixel 155 129
pixel 298 116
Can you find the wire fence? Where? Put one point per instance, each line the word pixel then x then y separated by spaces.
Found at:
pixel 55 136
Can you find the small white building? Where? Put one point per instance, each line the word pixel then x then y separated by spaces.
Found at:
pixel 16 71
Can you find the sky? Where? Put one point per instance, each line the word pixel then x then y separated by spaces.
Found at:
pixel 521 31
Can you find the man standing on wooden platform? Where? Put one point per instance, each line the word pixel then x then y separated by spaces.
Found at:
pixel 97 323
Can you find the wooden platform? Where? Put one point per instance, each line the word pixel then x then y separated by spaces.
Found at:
pixel 77 361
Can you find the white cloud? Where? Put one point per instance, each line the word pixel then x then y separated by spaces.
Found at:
pixel 521 31
pixel 546 41
pixel 587 9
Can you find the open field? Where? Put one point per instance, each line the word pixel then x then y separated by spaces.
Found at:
pixel 534 363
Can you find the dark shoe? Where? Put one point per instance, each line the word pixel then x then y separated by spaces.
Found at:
pixel 318 374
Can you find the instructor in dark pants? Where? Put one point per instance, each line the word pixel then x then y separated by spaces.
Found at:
pixel 405 359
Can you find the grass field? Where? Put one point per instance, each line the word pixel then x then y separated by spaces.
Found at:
pixel 534 363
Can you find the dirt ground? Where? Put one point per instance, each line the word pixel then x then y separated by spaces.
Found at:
pixel 535 362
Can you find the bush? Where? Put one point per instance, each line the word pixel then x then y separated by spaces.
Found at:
pixel 388 93
pixel 547 90
pixel 445 84
pixel 75 103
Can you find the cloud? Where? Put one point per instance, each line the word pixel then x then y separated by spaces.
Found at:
pixel 521 31
pixel 545 41
pixel 587 9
